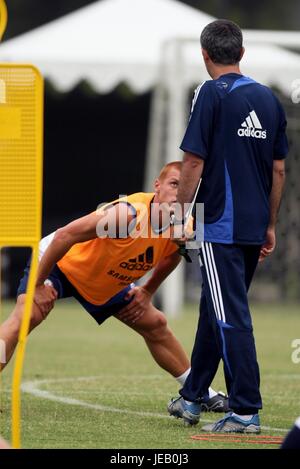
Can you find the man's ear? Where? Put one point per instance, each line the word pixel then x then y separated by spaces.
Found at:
pixel 242 53
pixel 156 186
pixel 205 55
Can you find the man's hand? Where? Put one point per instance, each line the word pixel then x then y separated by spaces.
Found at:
pixel 269 245
pixel 181 234
pixel 137 307
pixel 44 298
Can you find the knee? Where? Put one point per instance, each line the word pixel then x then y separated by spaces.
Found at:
pixel 157 330
pixel 35 319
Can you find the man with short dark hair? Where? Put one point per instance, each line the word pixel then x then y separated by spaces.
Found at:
pixel 236 142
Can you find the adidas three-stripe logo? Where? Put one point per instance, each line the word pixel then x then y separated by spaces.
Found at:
pixel 251 127
pixel 143 261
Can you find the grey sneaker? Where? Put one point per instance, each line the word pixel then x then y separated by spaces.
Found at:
pixel 233 424
pixel 218 403
pixel 190 413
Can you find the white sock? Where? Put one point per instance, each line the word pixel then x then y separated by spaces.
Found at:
pixel 181 379
pixel 211 393
pixel 188 402
pixel 243 417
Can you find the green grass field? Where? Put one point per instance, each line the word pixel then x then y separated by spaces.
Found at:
pixel 98 387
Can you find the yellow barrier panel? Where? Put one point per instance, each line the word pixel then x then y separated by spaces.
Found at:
pixel 21 135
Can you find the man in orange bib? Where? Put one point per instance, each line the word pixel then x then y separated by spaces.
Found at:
pixel 97 258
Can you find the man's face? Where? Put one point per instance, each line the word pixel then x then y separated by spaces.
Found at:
pixel 166 189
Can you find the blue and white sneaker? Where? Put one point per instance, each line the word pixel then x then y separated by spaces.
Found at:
pixel 233 424
pixel 190 413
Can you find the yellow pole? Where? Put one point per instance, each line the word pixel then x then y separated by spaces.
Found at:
pixel 17 376
pixel 3 18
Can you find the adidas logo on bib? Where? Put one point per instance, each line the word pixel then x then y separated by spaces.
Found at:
pixel 251 127
pixel 143 261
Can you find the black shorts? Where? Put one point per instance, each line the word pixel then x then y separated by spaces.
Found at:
pixel 66 290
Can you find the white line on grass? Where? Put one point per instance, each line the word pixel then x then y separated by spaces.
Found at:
pixel 32 387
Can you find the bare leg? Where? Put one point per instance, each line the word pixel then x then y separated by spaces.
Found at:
pixel 9 330
pixel 4 444
pixel 163 345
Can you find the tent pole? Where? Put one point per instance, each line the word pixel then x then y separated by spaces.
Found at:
pixel 154 154
pixel 173 287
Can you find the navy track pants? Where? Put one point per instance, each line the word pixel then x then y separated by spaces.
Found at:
pixel 225 327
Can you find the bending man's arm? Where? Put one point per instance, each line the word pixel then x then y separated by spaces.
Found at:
pixel 142 295
pixel 275 199
pixel 161 272
pixel 78 231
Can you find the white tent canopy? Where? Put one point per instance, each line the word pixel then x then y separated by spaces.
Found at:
pixel 106 42
pixel 121 40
